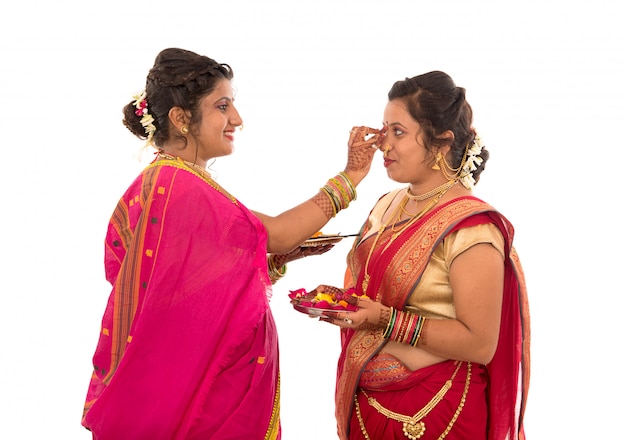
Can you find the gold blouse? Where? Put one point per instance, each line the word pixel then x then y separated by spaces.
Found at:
pixel 433 295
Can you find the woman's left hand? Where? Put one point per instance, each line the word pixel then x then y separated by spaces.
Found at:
pixel 300 252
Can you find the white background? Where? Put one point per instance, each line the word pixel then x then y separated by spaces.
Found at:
pixel 545 79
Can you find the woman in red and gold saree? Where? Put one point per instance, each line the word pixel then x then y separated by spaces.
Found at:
pixel 439 346
pixel 485 401
pixel 188 348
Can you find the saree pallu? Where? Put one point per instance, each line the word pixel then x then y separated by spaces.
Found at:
pixel 394 275
pixel 462 412
pixel 188 347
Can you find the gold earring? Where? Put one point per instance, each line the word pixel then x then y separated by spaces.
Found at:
pixel 438 158
pixel 184 129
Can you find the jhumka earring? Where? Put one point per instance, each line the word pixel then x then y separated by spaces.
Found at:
pixel 438 158
pixel 184 129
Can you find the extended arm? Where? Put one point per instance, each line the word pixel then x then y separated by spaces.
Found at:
pixel 287 230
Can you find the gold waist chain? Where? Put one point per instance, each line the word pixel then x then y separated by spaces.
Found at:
pixel 412 426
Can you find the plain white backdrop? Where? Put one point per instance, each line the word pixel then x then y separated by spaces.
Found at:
pixel 545 79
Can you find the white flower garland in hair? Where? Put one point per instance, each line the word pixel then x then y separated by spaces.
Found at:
pixel 472 160
pixel 147 121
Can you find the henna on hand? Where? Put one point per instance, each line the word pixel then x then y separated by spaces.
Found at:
pixel 300 252
pixel 368 326
pixel 380 321
pixel 363 143
pixel 325 204
pixel 329 289
pixel 385 316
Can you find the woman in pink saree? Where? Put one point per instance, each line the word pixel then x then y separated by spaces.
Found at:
pixel 188 348
pixel 439 346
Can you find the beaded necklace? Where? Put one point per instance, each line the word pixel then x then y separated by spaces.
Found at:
pixel 429 194
pixel 395 218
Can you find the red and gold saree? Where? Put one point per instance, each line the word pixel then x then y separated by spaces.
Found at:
pixel 395 273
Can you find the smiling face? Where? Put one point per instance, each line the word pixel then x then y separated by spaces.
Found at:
pixel 407 159
pixel 214 134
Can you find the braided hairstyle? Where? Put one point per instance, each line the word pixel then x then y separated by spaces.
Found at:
pixel 437 104
pixel 179 78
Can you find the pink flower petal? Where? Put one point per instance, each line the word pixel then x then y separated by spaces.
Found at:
pixel 297 293
pixel 322 305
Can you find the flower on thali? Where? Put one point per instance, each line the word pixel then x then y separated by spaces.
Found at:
pixel 319 300
pixel 299 293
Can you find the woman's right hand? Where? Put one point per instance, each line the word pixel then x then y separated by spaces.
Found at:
pixel 363 143
pixel 370 315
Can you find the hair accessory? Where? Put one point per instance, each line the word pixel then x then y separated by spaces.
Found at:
pixel 464 172
pixel 147 121
pixel 472 160
pixel 184 129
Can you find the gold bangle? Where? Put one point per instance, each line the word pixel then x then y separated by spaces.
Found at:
pixel 336 202
pixel 349 183
pixel 275 273
pixel 339 191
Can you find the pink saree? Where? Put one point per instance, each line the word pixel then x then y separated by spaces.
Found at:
pixel 503 384
pixel 188 347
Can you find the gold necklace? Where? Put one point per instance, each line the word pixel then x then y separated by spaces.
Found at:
pixel 395 233
pixel 200 172
pixel 412 426
pixel 429 194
